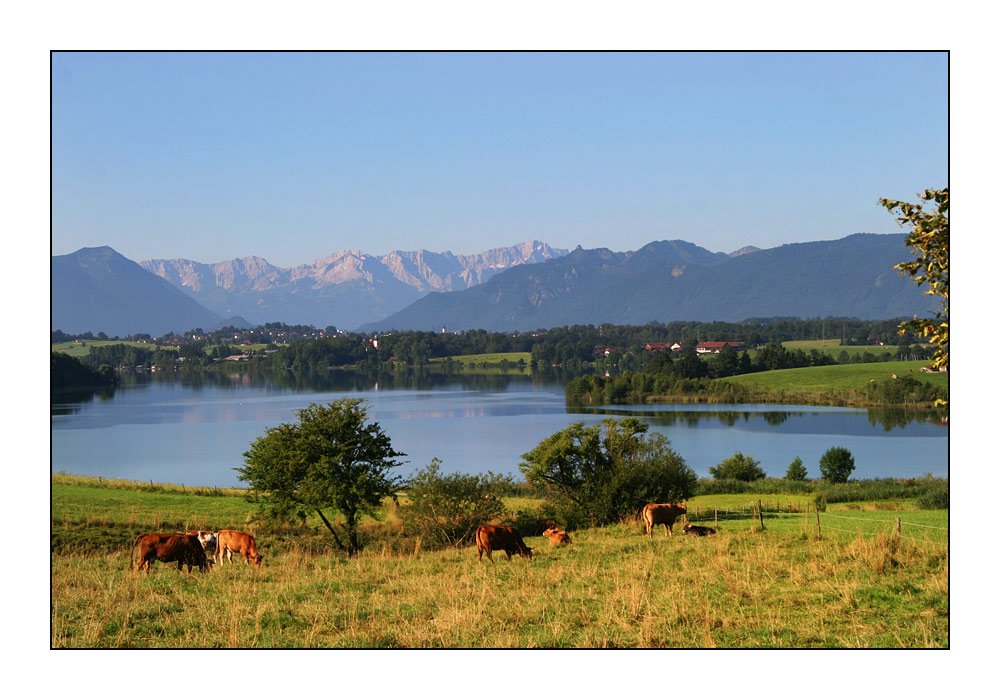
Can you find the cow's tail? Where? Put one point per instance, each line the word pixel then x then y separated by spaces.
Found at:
pixel 132 551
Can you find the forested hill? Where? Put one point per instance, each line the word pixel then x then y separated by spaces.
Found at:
pixel 674 280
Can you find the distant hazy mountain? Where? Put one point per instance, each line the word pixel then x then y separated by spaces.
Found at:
pixel 97 289
pixel 674 280
pixel 344 289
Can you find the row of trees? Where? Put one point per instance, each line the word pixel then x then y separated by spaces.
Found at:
pixel 836 466
pixel 334 458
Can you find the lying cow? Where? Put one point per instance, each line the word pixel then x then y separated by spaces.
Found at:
pixel 557 536
pixel 206 537
pixel 229 541
pixel 508 539
pixel 183 549
pixel 662 514
pixel 697 530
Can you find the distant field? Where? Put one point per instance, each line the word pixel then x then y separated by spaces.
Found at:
pixel 81 349
pixel 833 347
pixel 837 377
pixel 490 358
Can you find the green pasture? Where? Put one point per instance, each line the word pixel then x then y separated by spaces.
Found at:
pixel 837 377
pixel 82 348
pixel 783 586
pixel 834 348
pixel 492 358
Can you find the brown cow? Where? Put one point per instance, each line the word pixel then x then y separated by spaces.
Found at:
pixel 662 514
pixel 557 536
pixel 490 537
pixel 229 541
pixel 697 530
pixel 183 549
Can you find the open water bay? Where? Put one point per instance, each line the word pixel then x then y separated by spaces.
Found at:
pixel 195 433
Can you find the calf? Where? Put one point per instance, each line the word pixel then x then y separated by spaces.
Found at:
pixel 206 537
pixel 183 549
pixel 490 537
pixel 229 541
pixel 697 530
pixel 557 536
pixel 662 514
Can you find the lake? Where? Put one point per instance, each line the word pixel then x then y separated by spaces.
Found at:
pixel 195 431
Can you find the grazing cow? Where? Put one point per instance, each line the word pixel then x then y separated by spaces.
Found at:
pixel 662 514
pixel 557 536
pixel 206 537
pixel 697 530
pixel 490 537
pixel 183 549
pixel 229 541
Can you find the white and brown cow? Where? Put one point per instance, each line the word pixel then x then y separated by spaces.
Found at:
pixel 206 537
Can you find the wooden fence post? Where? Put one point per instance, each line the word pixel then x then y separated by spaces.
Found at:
pixel 760 514
pixel 819 531
pixel 717 516
pixel 899 527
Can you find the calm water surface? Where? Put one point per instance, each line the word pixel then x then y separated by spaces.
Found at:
pixel 195 434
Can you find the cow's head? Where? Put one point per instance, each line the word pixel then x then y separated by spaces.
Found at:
pixel 257 559
pixel 206 537
pixel 526 552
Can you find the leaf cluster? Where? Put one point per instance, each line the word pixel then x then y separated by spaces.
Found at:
pixel 330 459
pixel 447 508
pixel 601 474
pixel 836 465
pixel 739 466
pixel 930 241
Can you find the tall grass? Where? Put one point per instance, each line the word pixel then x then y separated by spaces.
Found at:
pixel 613 587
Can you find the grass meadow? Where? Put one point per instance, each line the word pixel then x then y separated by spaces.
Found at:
pixel 858 585
pixel 837 377
pixel 493 358
pixel 834 348
pixel 82 349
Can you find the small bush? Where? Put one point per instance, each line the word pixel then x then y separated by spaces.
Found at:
pixel 447 509
pixel 740 467
pixel 936 498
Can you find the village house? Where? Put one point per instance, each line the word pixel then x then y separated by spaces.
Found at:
pixel 714 348
pixel 659 347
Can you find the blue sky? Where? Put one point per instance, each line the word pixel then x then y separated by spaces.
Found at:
pixel 292 156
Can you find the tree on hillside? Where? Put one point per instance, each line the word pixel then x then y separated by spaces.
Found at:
pixel 600 474
pixel 329 459
pixel 929 241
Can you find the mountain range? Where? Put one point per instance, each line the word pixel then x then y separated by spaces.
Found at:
pixel 344 289
pixel 526 286
pixel 98 289
pixel 676 281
